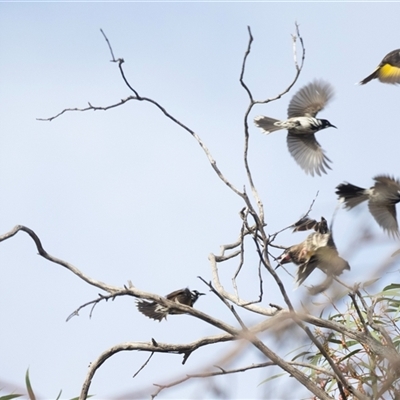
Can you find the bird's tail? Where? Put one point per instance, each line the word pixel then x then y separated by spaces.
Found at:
pixel 267 124
pixel 152 310
pixel 351 195
pixel 369 77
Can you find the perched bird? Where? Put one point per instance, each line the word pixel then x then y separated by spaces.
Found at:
pixel 302 125
pixel 158 311
pixel 388 71
pixel 317 251
pixel 382 198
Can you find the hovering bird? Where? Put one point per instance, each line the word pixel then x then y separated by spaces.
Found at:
pixel 317 251
pixel 302 125
pixel 158 311
pixel 388 71
pixel 302 252
pixel 382 198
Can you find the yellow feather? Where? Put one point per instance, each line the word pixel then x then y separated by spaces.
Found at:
pixel 389 74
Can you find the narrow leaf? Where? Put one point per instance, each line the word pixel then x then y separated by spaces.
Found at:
pixel 29 387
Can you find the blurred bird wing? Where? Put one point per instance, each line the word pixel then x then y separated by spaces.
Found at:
pixel 392 58
pixel 388 184
pixel 385 216
pixel 327 260
pixel 330 262
pixel 304 270
pixel 308 153
pixel 310 99
pixel 174 296
pixel 304 224
pixel 389 74
pixel 389 68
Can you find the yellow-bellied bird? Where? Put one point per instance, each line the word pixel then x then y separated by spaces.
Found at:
pixel 388 71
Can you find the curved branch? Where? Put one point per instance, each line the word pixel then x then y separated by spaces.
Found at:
pixel 153 347
pixel 136 96
pixel 56 260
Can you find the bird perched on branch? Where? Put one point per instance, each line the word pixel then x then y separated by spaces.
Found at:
pixel 302 125
pixel 388 71
pixel 158 311
pixel 317 251
pixel 382 198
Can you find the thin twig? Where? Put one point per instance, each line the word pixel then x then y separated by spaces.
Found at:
pixel 230 306
pixel 142 367
pixel 360 316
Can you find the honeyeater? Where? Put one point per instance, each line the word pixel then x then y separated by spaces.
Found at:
pixel 158 311
pixel 388 71
pixel 317 251
pixel 302 125
pixel 382 199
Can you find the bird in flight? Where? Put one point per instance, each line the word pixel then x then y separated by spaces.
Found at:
pixel 302 125
pixel 382 199
pixel 318 250
pixel 388 70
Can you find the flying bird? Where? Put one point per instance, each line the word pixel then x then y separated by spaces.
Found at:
pixel 388 71
pixel 317 251
pixel 157 311
pixel 302 125
pixel 382 199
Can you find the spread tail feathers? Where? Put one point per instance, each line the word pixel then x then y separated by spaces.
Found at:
pixel 152 310
pixel 351 195
pixel 267 124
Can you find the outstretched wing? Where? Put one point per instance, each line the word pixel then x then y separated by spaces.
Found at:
pixel 308 153
pixel 385 216
pixel 310 99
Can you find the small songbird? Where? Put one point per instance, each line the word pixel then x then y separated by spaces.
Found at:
pixel 302 125
pixel 302 252
pixel 382 198
pixel 317 251
pixel 388 71
pixel 158 311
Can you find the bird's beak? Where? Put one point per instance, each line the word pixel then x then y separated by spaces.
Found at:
pixel 333 126
pixel 201 294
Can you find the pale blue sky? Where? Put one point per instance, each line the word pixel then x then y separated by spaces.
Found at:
pixel 125 194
